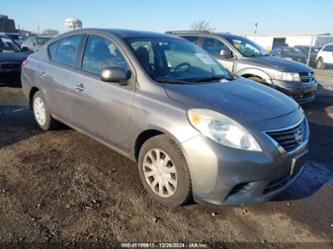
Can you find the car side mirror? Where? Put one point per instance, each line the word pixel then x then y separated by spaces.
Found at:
pixel 114 74
pixel 226 53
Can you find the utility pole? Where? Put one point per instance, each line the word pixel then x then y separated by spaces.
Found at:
pixel 255 31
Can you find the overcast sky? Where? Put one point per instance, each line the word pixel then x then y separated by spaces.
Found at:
pixel 272 16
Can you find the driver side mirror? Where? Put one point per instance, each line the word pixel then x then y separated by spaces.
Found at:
pixel 226 53
pixel 114 74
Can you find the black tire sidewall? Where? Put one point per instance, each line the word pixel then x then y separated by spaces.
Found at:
pixel 183 191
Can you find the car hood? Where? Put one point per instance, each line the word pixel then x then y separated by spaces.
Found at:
pixel 241 99
pixel 277 63
pixel 13 57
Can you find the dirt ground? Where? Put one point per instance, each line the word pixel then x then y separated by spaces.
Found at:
pixel 63 187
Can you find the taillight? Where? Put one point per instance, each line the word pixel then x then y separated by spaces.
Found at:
pixel 25 62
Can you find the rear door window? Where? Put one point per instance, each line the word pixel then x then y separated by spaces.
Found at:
pixel 65 51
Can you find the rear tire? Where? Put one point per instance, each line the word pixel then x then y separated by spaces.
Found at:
pixel 42 114
pixel 320 64
pixel 164 172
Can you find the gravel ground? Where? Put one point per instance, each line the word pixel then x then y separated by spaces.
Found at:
pixel 63 187
pixel 325 77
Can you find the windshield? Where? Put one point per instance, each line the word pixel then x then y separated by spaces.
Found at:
pixel 8 45
pixel 176 61
pixel 245 46
pixel 42 40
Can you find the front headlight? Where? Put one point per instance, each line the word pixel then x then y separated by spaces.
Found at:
pixel 284 76
pixel 222 129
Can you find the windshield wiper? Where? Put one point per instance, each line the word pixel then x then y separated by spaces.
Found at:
pixel 211 78
pixel 173 81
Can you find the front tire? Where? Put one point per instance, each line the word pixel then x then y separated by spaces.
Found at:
pixel 42 114
pixel 164 172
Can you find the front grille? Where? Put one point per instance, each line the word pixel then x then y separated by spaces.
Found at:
pixel 307 77
pixel 11 66
pixel 290 138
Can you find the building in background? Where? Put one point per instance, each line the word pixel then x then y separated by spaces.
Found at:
pixel 8 28
pixel 275 40
pixel 72 24
pixel 7 25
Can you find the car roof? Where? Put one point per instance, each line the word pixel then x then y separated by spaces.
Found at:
pixel 5 36
pixel 229 35
pixel 224 35
pixel 42 36
pixel 123 33
pixel 205 33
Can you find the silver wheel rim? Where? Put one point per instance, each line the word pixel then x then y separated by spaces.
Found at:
pixel 39 111
pixel 160 173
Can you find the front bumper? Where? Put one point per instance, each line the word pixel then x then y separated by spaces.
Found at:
pixel 225 176
pixel 299 91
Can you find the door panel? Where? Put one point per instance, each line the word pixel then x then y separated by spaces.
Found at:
pixel 102 109
pixel 214 47
pixel 228 64
pixel 56 85
pixel 99 108
pixel 55 76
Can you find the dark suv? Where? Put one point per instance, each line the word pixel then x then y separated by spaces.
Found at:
pixel 246 58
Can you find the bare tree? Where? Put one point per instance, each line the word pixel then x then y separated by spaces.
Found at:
pixel 201 26
pixel 50 32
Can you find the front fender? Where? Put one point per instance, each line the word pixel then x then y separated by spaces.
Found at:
pixel 256 72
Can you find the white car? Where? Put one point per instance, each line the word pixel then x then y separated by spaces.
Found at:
pixel 325 56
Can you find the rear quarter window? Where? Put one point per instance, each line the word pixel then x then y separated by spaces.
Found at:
pixel 65 51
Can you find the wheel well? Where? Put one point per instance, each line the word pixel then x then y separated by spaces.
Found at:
pixel 251 75
pixel 255 76
pixel 142 138
pixel 31 95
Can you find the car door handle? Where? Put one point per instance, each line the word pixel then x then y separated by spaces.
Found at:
pixel 79 87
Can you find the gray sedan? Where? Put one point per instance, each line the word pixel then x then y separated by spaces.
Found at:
pixel 195 130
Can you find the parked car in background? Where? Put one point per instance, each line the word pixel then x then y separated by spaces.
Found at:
pixel 11 58
pixel 33 43
pixel 313 53
pixel 246 58
pixel 289 53
pixel 325 56
pixel 194 129
pixel 16 37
